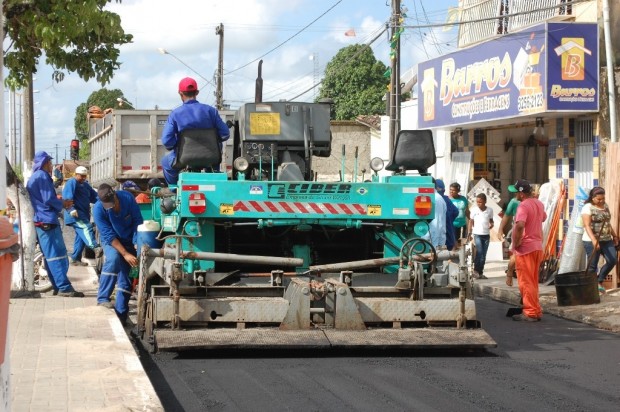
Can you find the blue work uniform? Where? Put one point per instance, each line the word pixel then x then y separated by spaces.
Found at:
pixel 115 272
pixel 46 207
pixel 437 227
pixel 82 195
pixel 189 116
pixel 451 213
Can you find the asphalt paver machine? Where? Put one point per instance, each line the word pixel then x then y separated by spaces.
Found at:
pixel 271 256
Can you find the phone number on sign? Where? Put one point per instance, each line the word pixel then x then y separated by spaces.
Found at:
pixel 531 101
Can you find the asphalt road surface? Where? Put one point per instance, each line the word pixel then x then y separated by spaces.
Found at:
pixel 546 366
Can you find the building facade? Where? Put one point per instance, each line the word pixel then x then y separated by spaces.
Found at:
pixel 522 93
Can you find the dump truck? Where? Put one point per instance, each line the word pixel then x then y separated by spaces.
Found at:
pixel 126 145
pixel 269 256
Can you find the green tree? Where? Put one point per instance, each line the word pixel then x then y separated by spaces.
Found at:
pixel 75 36
pixel 354 80
pixel 102 98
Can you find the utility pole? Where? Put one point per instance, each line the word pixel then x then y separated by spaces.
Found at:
pixel 56 158
pixel 394 97
pixel 609 55
pixel 315 72
pixel 219 104
pixel 12 129
pixel 28 130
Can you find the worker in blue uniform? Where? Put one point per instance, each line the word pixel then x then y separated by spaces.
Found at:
pixel 190 115
pixel 117 217
pixel 451 213
pixel 46 207
pixel 78 215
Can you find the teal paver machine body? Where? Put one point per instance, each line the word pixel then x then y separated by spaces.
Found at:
pixel 271 255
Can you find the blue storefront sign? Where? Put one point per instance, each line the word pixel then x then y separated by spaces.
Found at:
pixel 547 68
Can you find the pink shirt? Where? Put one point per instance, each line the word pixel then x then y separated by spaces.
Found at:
pixel 532 212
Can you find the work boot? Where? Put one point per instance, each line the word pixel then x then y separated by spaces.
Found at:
pixel 98 252
pixel 77 263
pixel 108 305
pixel 71 294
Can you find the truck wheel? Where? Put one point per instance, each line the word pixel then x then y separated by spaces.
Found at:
pixel 42 282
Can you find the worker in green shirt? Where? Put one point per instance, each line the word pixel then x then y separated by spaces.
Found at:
pixel 462 205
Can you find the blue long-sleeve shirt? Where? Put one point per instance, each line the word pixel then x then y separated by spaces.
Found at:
pixel 42 193
pixel 122 226
pixel 437 227
pixel 192 115
pixel 82 195
pixel 451 213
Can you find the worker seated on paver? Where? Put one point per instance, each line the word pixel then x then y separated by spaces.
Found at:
pixel 193 133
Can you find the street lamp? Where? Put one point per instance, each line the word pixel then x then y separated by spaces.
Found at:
pixel 121 101
pixel 164 51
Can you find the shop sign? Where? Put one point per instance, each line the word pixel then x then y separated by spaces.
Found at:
pixel 548 67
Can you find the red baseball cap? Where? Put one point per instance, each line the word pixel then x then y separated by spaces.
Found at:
pixel 188 85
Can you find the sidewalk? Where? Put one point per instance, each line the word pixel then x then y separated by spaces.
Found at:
pixel 604 315
pixel 68 354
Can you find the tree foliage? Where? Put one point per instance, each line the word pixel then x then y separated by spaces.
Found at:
pixel 75 36
pixel 104 99
pixel 354 80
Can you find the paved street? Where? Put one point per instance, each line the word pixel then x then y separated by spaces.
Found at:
pixel 551 365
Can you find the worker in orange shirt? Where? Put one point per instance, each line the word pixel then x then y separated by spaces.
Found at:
pixel 146 198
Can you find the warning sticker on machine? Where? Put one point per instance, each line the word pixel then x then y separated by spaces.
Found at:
pixel 226 209
pixel 374 210
pixel 264 123
pixel 256 190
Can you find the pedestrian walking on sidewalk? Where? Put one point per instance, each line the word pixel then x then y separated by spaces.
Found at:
pixel 117 217
pixel 46 207
pixel 528 249
pixel 78 215
pixel 599 238
pixel 480 225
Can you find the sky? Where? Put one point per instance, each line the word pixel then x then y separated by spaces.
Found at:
pixel 294 56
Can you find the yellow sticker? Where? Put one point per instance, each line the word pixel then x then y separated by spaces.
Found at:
pixel 264 123
pixel 374 210
pixel 226 209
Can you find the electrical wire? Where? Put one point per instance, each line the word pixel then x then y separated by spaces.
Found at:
pixel 287 40
pixel 503 16
pixel 432 32
pixel 351 59
pixel 420 31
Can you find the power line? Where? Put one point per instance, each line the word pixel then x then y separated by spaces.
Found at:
pixel 287 40
pixel 503 16
pixel 431 30
pixel 347 62
pixel 420 30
